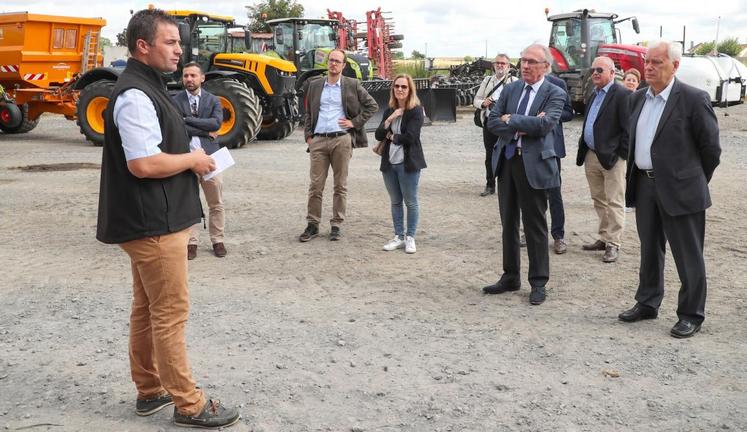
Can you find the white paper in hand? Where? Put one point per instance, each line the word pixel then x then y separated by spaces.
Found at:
pixel 223 160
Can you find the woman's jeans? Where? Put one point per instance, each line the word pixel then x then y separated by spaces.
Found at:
pixel 401 185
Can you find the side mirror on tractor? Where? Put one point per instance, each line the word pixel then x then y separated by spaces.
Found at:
pixel 636 27
pixel 184 33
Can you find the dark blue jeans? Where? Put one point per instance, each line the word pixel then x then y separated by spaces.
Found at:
pixel 403 185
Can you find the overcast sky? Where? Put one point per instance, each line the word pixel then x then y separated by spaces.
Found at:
pixel 453 28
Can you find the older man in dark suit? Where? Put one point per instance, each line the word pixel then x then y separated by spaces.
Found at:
pixel 525 163
pixel 603 148
pixel 337 109
pixel 203 116
pixel 674 152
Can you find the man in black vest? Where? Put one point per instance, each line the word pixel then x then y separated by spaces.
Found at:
pixel 203 116
pixel 147 202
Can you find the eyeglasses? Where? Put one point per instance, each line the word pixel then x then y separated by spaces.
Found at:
pixel 500 63
pixel 400 87
pixel 334 61
pixel 597 70
pixel 532 62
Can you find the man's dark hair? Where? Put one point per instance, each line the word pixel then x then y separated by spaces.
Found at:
pixel 193 64
pixel 143 25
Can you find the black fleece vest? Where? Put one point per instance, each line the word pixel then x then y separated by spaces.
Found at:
pixel 131 208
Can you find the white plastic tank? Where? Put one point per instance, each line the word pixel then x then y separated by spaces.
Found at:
pixel 722 77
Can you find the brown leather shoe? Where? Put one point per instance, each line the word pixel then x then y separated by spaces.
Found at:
pixel 611 253
pixel 191 252
pixel 560 247
pixel 596 246
pixel 219 250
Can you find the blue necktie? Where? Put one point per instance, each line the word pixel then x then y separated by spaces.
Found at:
pixel 511 146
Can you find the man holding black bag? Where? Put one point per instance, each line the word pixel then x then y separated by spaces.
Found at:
pixel 486 96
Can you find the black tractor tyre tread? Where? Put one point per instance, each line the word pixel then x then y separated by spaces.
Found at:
pixel 95 89
pixel 277 131
pixel 247 107
pixel 396 37
pixel 26 125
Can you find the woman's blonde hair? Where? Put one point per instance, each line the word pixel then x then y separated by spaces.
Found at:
pixel 633 72
pixel 412 98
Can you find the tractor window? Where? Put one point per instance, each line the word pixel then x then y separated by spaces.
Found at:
pixel 211 39
pixel 71 38
pixel 284 41
pixel 317 36
pixel 565 36
pixel 58 39
pixel 601 31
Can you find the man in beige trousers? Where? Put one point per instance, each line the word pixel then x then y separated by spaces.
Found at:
pixel 603 149
pixel 337 109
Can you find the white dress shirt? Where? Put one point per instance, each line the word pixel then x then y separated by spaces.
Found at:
pixel 135 117
pixel 330 108
pixel 532 94
pixel 648 122
pixel 194 142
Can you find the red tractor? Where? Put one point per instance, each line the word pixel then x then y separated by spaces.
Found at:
pixel 578 37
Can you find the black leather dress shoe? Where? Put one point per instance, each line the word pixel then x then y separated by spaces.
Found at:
pixel 503 285
pixel 537 297
pixel 684 329
pixel 637 313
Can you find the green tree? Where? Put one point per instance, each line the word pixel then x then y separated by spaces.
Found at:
pixel 468 59
pixel 260 12
pixel 417 55
pixel 398 55
pixel 105 42
pixel 122 37
pixel 730 47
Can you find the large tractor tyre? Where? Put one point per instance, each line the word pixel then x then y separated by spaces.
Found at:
pixel 275 130
pixel 395 45
pixel 396 37
pixel 12 126
pixel 242 112
pixel 90 110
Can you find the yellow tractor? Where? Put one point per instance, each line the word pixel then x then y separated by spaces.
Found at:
pixel 257 92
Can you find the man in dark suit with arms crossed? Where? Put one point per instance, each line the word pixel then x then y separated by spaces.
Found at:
pixel 674 152
pixel 525 163
pixel 203 116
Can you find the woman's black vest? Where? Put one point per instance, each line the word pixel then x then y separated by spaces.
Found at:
pixel 131 208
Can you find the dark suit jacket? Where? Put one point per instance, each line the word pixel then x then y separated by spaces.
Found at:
pixel 409 139
pixel 209 118
pixel 357 105
pixel 558 138
pixel 685 151
pixel 538 147
pixel 610 128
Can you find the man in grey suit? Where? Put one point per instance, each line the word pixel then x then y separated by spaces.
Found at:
pixel 673 153
pixel 337 109
pixel 203 116
pixel 525 162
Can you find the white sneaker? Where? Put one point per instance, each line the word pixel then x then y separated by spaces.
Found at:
pixel 395 243
pixel 410 244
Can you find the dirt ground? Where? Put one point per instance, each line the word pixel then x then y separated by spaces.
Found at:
pixel 341 336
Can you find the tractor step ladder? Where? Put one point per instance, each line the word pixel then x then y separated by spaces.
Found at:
pixel 91 47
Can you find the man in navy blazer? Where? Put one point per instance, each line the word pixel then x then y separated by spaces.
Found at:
pixel 525 163
pixel 554 197
pixel 203 116
pixel 673 153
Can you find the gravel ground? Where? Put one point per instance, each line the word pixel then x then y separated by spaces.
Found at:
pixel 341 336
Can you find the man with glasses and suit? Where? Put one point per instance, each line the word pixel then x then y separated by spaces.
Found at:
pixel 337 109
pixel 603 149
pixel 525 163
pixel 203 116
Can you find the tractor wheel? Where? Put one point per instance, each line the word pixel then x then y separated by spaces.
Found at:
pixel 275 130
pixel 24 126
pixel 242 112
pixel 90 110
pixel 396 37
